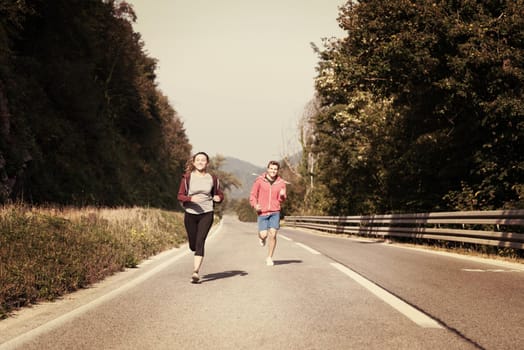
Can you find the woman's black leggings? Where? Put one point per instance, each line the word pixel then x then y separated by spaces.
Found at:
pixel 197 228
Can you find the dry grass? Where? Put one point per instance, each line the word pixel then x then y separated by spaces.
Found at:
pixel 47 252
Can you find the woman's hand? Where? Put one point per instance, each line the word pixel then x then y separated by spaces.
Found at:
pixel 216 198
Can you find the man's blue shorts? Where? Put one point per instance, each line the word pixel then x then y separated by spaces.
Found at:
pixel 271 220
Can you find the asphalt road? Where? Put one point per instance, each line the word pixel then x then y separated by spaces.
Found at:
pixel 324 292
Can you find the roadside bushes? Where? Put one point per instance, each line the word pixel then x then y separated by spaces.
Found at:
pixel 244 211
pixel 46 252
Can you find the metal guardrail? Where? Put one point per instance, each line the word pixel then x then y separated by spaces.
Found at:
pixel 492 227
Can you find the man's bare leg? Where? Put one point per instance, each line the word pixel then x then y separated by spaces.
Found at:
pixel 272 244
pixel 262 235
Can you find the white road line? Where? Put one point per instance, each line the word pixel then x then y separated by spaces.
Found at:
pixel 23 338
pixel 489 270
pixel 500 263
pixel 311 250
pixel 286 238
pixel 407 310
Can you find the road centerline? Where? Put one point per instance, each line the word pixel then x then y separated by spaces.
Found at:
pixel 404 308
pixel 309 249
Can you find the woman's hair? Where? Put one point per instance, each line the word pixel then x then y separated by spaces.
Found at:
pixel 189 165
pixel 273 162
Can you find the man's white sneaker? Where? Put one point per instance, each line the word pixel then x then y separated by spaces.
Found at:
pixel 269 261
pixel 262 242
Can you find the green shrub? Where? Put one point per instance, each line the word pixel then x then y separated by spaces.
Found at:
pixel 245 212
pixel 46 252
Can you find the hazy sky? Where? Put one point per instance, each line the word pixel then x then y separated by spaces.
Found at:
pixel 238 72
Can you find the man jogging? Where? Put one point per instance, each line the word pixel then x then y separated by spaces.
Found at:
pixel 268 191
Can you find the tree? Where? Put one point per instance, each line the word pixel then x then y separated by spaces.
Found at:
pixel 432 93
pixel 83 120
pixel 227 180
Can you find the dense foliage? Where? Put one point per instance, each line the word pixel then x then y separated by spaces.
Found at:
pixel 81 118
pixel 420 108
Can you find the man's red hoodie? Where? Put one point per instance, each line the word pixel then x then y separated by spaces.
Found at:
pixel 267 195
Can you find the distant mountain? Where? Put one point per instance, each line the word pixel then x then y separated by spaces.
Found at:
pixel 244 172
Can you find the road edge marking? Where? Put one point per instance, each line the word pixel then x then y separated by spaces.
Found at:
pixel 31 334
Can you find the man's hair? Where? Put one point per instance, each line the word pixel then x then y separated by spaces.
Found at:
pixel 273 162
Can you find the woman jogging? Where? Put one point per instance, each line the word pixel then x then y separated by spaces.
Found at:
pixel 198 192
pixel 268 191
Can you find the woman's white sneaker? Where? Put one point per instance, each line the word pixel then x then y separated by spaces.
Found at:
pixel 269 261
pixel 195 278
